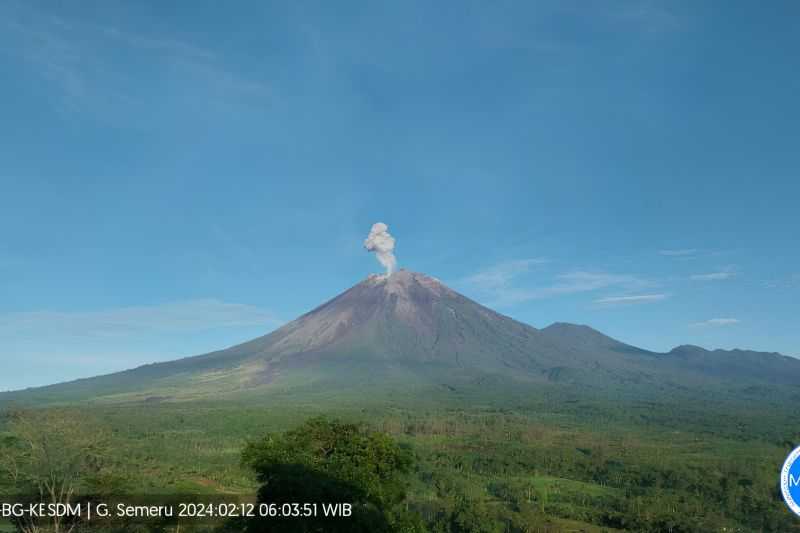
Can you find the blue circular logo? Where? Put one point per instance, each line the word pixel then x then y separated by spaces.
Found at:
pixel 790 481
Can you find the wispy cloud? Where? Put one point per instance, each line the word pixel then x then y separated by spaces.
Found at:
pixel 713 276
pixel 651 17
pixel 582 281
pixel 41 347
pixel 631 300
pixel 500 285
pixel 715 322
pixel 81 61
pixel 684 252
pixel 785 282
pixel 726 273
pixel 184 317
pixel 502 274
pixel 157 44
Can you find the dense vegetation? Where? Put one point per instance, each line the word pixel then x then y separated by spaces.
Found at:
pixel 571 467
pixel 325 462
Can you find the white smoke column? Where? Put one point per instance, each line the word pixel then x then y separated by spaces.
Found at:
pixel 380 242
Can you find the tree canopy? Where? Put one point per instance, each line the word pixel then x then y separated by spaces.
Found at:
pixel 327 462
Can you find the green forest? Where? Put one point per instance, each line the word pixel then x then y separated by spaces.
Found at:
pixel 546 466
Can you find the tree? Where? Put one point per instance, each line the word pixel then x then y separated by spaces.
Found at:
pixel 11 451
pixel 47 454
pixel 325 462
pixel 471 516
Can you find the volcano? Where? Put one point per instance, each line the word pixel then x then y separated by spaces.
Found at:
pixel 410 332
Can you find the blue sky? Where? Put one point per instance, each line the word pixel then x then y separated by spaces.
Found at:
pixel 178 177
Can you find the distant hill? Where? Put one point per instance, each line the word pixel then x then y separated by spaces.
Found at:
pixel 409 332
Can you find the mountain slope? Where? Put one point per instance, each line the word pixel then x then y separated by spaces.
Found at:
pixel 409 331
pixel 742 366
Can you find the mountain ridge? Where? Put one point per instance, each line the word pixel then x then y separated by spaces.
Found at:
pixel 409 329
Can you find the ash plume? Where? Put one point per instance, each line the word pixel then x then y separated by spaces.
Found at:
pixel 380 242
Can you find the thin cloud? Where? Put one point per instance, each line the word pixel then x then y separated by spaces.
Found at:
pixel 184 317
pixel 715 322
pixel 54 346
pixel 500 285
pixel 631 300
pixel 160 45
pixel 80 60
pixel 787 282
pixel 588 281
pixel 650 17
pixel 500 275
pixel 679 253
pixel 713 276
pixel 726 273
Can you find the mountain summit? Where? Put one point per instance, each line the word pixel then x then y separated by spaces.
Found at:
pixel 410 318
pixel 408 331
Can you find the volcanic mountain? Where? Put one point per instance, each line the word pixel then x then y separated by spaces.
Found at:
pixel 409 332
